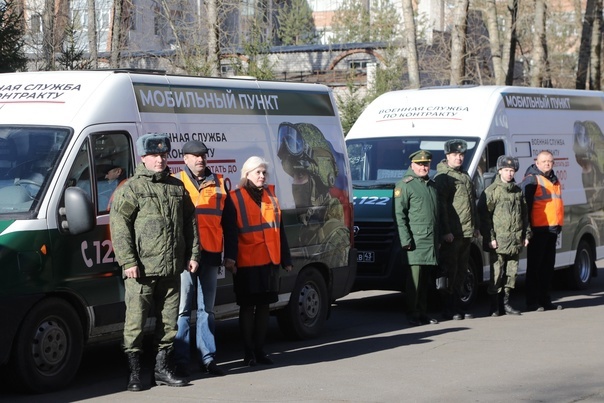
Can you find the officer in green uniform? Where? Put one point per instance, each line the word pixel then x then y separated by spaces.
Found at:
pixel 154 235
pixel 416 211
pixel 458 224
pixel 307 157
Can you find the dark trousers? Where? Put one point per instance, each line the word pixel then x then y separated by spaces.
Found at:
pixel 416 290
pixel 541 258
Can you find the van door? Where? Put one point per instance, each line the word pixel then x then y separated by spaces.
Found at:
pixel 103 160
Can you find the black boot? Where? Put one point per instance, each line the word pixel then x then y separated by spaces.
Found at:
pixel 509 310
pixel 164 375
pixel 134 382
pixel 494 308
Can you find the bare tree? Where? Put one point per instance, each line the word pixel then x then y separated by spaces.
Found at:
pixel 494 40
pixel 511 40
pixel 458 42
pixel 411 44
pixel 595 75
pixel 92 34
pixel 539 74
pixel 585 46
pixel 116 33
pixel 48 34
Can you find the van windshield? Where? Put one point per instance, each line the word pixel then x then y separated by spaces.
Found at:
pixel 376 162
pixel 28 156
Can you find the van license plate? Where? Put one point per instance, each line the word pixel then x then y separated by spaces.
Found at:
pixel 365 257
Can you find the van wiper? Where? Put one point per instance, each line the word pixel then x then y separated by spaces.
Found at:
pixel 373 186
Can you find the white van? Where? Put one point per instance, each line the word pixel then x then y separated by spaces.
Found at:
pixel 61 132
pixel 494 121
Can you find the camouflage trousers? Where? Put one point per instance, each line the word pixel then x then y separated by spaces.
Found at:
pixel 503 271
pixel 162 294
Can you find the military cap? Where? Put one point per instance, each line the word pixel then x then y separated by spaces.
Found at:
pixel 456 146
pixel 421 156
pixel 194 147
pixel 153 143
pixel 505 161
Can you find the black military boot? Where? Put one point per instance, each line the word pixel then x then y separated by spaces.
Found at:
pixel 164 374
pixel 134 382
pixel 494 307
pixel 509 310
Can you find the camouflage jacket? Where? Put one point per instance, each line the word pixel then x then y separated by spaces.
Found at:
pixel 457 201
pixel 504 217
pixel 416 213
pixel 153 224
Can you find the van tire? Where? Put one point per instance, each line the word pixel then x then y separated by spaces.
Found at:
pixel 48 347
pixel 306 313
pixel 579 274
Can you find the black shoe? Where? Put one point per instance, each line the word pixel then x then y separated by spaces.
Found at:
pixel 425 320
pixel 552 307
pixel 262 358
pixel 213 369
pixel 458 316
pixel 249 361
pixel 414 321
pixel 468 316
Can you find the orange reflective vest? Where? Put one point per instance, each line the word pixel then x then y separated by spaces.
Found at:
pixel 259 228
pixel 548 208
pixel 209 204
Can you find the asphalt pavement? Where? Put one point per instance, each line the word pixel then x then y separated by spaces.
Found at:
pixel 368 353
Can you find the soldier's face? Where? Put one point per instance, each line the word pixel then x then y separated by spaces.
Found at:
pixel 507 174
pixel 156 162
pixel 455 160
pixel 420 168
pixel 196 163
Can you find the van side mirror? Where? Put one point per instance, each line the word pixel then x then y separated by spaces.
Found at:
pixel 77 216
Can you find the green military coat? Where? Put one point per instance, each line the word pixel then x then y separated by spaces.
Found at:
pixel 457 201
pixel 416 211
pixel 153 224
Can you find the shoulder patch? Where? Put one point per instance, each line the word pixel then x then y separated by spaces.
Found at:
pixel 397 192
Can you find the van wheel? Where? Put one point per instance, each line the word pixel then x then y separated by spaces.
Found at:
pixel 48 347
pixel 579 274
pixel 305 314
pixel 470 285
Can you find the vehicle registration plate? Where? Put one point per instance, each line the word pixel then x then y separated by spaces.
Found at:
pixel 365 256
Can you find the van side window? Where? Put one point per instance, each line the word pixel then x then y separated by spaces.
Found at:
pixel 112 165
pixel 487 166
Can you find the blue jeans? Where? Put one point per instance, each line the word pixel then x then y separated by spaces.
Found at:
pixel 204 281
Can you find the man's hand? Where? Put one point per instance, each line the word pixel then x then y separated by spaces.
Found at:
pixel 132 272
pixel 493 244
pixel 448 238
pixel 289 267
pixel 193 266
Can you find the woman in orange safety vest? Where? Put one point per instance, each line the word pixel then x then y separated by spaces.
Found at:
pixel 262 248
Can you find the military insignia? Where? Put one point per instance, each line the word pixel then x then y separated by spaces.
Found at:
pixel 408 179
pixel 397 192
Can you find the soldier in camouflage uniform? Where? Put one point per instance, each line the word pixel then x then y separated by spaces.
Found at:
pixel 307 157
pixel 154 235
pixel 416 212
pixel 506 230
pixel 458 224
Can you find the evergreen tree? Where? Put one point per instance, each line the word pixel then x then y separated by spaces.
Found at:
pixel 12 57
pixel 296 23
pixel 353 21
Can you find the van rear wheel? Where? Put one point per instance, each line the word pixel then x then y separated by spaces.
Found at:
pixel 306 313
pixel 470 285
pixel 48 347
pixel 579 274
